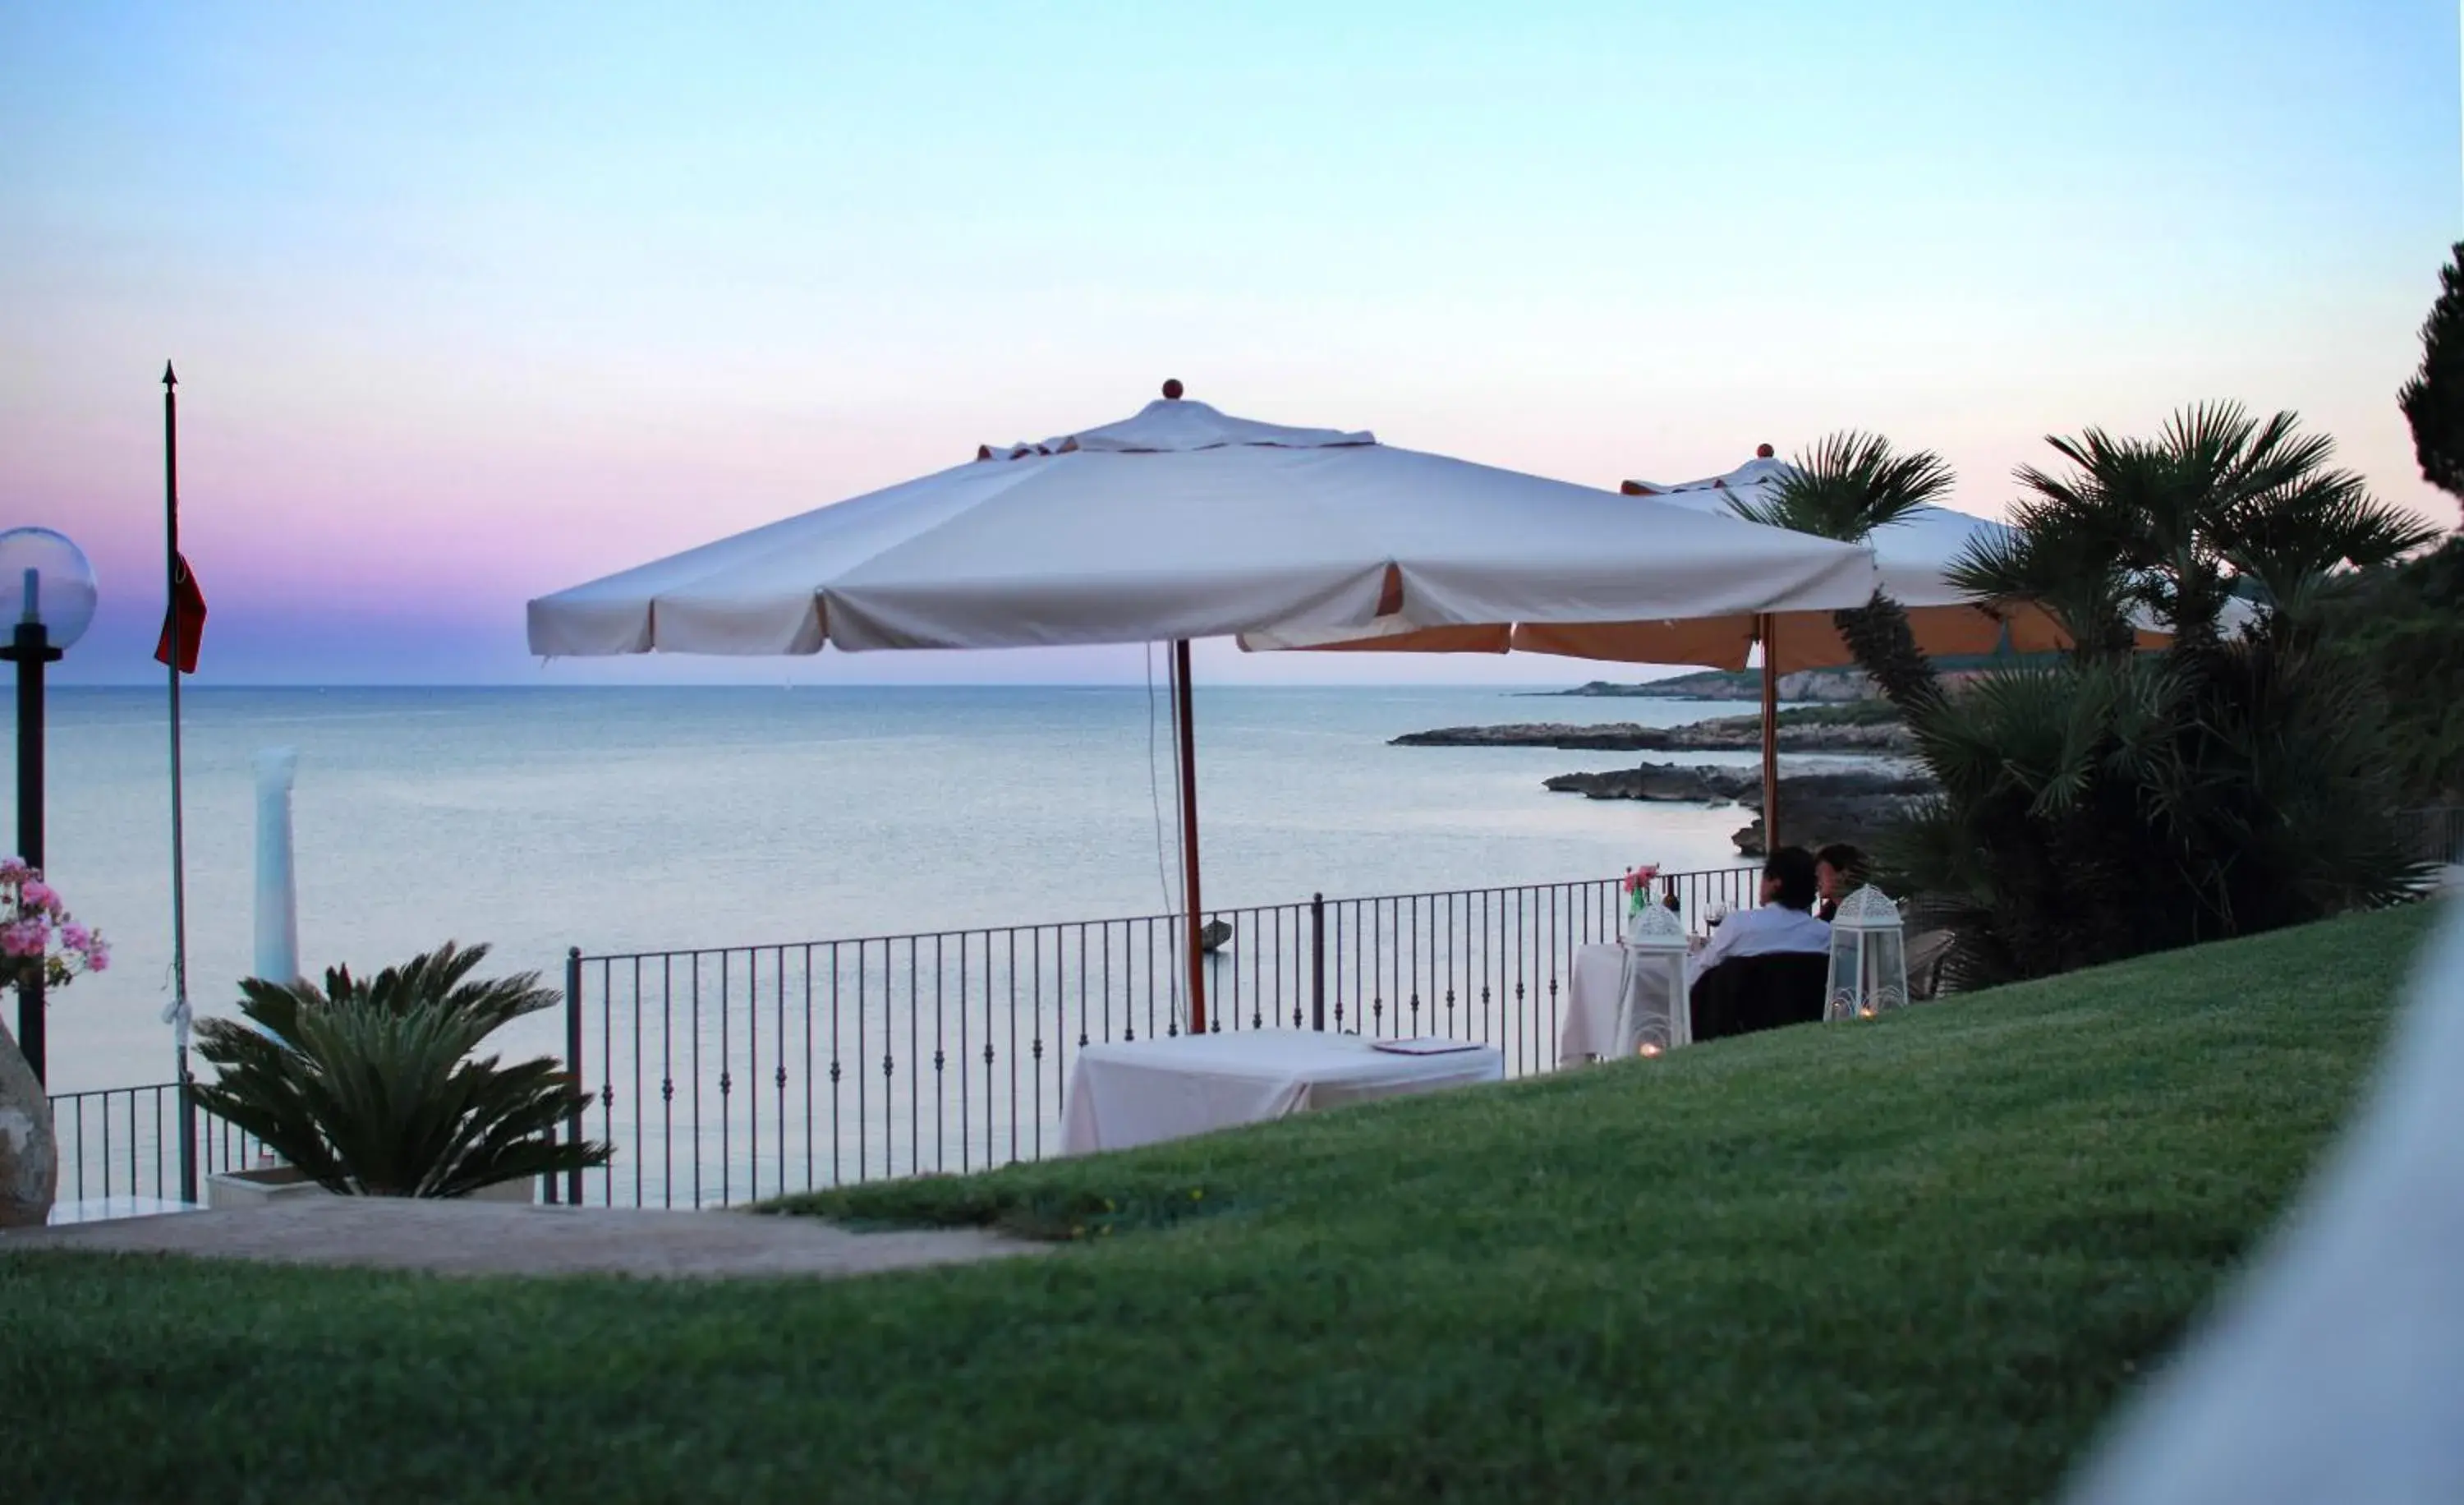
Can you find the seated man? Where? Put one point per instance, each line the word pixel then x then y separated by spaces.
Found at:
pixel 1764 967
pixel 1785 921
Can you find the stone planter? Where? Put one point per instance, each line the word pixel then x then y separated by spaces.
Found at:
pixel 30 1160
pixel 257 1189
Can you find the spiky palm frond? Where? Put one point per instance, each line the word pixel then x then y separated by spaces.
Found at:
pixel 373 1087
pixel 1848 485
pixel 2171 527
pixel 1845 487
pixel 2064 562
pixel 2292 541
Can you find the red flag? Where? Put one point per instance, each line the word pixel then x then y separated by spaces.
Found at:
pixel 188 611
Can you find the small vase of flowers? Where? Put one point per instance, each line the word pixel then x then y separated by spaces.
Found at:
pixel 39 943
pixel 1638 884
pixel 39 939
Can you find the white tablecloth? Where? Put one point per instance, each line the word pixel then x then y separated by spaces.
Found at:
pixel 1140 1092
pixel 1590 1026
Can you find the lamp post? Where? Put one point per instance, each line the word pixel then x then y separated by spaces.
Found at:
pixel 47 593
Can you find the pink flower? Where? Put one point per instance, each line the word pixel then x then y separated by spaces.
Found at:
pixel 26 937
pixel 75 936
pixel 97 957
pixel 14 870
pixel 37 895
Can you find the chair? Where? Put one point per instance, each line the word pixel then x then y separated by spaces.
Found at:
pixel 1928 951
pixel 1747 994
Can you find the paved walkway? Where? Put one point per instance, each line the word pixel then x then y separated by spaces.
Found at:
pixel 476 1238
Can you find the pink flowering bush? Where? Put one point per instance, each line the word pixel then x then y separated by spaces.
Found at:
pixel 37 932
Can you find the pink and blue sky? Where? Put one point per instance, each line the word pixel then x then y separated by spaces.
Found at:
pixel 470 302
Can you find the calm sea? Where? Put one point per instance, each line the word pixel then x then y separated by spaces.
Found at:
pixel 537 819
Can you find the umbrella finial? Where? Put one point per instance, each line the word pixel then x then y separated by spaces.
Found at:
pixel 1172 390
pixel 1761 451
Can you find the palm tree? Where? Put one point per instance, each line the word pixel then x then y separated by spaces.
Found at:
pixel 369 1088
pixel 1847 486
pixel 2237 782
pixel 2173 528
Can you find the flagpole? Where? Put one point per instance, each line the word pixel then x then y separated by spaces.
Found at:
pixel 179 1011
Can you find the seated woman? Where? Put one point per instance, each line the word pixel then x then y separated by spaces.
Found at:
pixel 1838 870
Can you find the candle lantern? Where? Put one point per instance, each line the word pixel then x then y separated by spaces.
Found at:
pixel 1869 958
pixel 1653 1014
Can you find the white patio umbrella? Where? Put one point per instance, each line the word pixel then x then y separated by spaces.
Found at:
pixel 1914 556
pixel 1183 523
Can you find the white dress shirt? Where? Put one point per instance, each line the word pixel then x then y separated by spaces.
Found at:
pixel 1760 932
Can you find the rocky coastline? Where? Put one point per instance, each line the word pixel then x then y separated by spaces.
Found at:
pixel 1851 805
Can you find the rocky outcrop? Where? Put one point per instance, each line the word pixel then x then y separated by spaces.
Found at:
pixel 29 1159
pixel 1816 823
pixel 1852 806
pixel 1721 785
pixel 1721 734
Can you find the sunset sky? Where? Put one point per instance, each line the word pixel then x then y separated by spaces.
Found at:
pixel 473 303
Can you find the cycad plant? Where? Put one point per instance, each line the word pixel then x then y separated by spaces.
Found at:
pixel 370 1087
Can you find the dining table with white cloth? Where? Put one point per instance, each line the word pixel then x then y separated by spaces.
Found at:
pixel 1140 1092
pixel 1597 1024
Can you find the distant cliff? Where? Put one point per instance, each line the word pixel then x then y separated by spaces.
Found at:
pixel 1826 685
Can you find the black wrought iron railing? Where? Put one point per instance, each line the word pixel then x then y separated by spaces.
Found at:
pixel 727 1074
pixel 124 1142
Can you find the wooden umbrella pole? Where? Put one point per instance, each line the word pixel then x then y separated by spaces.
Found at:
pixel 1763 632
pixel 1184 712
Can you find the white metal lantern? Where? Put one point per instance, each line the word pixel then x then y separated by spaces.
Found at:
pixel 1653 1014
pixel 1869 957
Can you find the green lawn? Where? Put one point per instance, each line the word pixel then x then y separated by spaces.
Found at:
pixel 1913 1260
